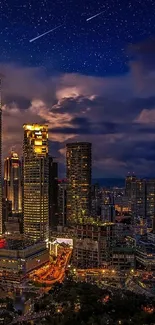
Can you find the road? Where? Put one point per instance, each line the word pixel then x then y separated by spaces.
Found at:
pixel 46 272
pixel 53 272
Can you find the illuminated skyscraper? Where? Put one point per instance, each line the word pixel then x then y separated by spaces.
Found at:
pixel 78 156
pixel 35 181
pixel 12 182
pixel 130 186
pixel 62 200
pixel 53 192
pixel 150 201
pixel 139 206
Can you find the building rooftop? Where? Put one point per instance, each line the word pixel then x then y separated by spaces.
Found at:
pixel 90 221
pixel 146 245
pixel 78 144
pixel 123 249
pixel 16 244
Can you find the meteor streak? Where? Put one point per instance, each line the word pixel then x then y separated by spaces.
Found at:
pixel 51 30
pixel 94 16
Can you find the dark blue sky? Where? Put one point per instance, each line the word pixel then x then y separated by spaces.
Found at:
pixel 88 80
pixel 96 47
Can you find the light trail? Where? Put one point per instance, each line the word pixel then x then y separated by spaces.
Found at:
pixel 94 16
pixel 50 31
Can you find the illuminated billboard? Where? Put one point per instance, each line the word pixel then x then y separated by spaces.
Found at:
pixel 66 241
pixel 2 243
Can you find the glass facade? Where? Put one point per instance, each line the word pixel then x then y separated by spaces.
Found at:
pixel 78 158
pixel 12 182
pixel 35 181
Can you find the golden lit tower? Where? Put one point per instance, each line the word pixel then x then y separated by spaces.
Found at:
pixel 12 182
pixel 78 159
pixel 35 181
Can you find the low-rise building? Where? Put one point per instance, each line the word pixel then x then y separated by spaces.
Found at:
pixel 123 258
pixel 145 254
pixel 18 257
pixel 92 244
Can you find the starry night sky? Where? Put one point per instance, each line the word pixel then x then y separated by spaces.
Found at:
pixel 89 80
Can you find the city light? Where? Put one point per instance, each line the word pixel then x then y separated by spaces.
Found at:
pixel 80 249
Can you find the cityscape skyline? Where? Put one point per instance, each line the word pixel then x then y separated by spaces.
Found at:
pixel 105 96
pixel 77 156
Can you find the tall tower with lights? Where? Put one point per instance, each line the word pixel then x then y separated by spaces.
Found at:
pixel 12 182
pixel 78 164
pixel 36 182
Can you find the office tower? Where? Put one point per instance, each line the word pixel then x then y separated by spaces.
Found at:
pixel 1 218
pixel 150 201
pixel 107 206
pixel 107 197
pixel 53 192
pixel 130 186
pixel 35 181
pixel 95 200
pixel 139 206
pixel 6 213
pixel 12 182
pixel 78 159
pixel 62 202
pixel 108 213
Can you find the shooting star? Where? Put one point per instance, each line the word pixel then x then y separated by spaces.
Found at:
pixel 94 16
pixel 51 30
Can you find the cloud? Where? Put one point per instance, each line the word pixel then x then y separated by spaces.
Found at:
pixel 115 113
pixel 142 67
pixel 146 116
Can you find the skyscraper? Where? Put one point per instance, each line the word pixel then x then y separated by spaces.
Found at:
pixel 150 201
pixel 35 181
pixel 95 200
pixel 12 182
pixel 139 206
pixel 78 159
pixel 62 201
pixel 130 186
pixel 1 219
pixel 53 192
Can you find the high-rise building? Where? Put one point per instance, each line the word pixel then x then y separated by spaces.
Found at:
pixel 6 212
pixel 108 213
pixel 1 218
pixel 62 202
pixel 12 182
pixel 95 200
pixel 36 181
pixel 130 186
pixel 78 159
pixel 139 206
pixel 150 201
pixel 53 192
